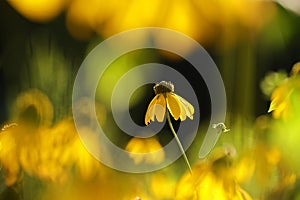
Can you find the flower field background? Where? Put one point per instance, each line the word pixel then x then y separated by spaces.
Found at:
pixel 254 43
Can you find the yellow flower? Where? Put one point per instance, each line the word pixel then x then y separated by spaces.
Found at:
pixel 40 149
pixel 146 150
pixel 166 98
pixel 285 98
pixel 163 185
pixel 8 155
pixel 213 178
pixel 280 105
pixel 39 11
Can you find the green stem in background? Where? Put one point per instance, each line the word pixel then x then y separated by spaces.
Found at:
pixel 179 143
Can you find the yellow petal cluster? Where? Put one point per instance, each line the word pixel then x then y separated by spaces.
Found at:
pixel 51 153
pixel 147 150
pixel 197 19
pixel 214 178
pixel 178 107
pixel 285 97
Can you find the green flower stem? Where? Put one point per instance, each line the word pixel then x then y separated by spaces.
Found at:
pixel 179 143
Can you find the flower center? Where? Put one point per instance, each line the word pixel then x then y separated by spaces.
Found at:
pixel 163 87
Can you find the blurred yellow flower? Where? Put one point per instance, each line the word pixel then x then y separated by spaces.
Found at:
pixel 34 146
pixel 295 69
pixel 8 156
pixel 213 178
pixel 163 185
pixel 197 19
pixel 272 155
pixel 146 150
pixel 266 159
pixel 280 105
pixel 166 98
pixel 34 108
pixel 39 10
pixel 286 96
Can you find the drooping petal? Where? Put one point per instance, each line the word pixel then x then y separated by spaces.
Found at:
pixel 150 112
pixel 156 108
pixel 160 108
pixel 183 113
pixel 173 105
pixel 187 107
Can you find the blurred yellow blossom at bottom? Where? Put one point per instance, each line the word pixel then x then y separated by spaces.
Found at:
pixel 146 150
pixel 213 178
pixel 163 185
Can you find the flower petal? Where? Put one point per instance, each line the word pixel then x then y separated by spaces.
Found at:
pixel 150 113
pixel 156 108
pixel 183 113
pixel 187 107
pixel 160 108
pixel 173 105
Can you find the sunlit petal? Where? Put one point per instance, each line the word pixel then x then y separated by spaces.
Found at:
pixel 156 109
pixel 173 105
pixel 160 108
pixel 150 113
pixel 187 107
pixel 183 113
pixel 280 100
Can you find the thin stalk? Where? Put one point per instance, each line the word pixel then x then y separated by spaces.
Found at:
pixel 179 143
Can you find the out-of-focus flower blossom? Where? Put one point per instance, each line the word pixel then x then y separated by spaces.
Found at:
pixel 163 185
pixel 193 18
pixel 295 69
pixel 266 159
pixel 286 96
pixel 146 150
pixel 197 19
pixel 87 166
pixel 272 173
pixel 8 156
pixel 110 18
pixel 166 98
pixel 284 188
pixel 232 18
pixel 33 106
pixel 280 105
pixel 81 17
pixel 39 10
pixel 33 146
pixel 214 178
